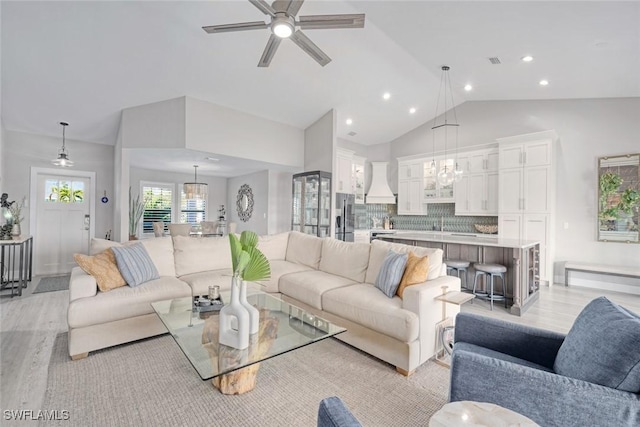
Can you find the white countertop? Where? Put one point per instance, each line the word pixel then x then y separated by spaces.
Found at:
pixel 464 239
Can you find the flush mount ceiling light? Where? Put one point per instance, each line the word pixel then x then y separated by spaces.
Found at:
pixel 386 96
pixel 468 87
pixel 195 190
pixel 527 58
pixel 349 122
pixel 447 174
pixel 63 155
pixel 544 82
pixel 412 110
pixel 283 25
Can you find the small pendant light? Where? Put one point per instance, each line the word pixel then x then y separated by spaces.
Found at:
pixel 63 155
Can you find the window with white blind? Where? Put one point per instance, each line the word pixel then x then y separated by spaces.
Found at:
pixel 192 211
pixel 158 200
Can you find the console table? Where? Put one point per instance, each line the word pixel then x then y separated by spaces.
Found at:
pixel 16 264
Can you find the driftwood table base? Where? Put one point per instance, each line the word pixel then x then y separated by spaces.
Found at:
pixel 241 380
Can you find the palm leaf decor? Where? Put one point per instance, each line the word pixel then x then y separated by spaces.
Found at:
pixel 246 259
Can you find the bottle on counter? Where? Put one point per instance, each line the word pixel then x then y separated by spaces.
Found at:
pixel 385 223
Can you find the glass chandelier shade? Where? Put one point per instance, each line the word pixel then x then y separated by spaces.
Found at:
pixel 447 174
pixel 63 155
pixel 195 190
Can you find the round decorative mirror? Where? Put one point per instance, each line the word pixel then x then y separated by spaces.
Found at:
pixel 244 203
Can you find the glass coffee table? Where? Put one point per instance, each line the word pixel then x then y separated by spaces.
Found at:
pixel 283 327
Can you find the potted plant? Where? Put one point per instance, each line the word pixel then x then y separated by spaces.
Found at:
pixel 16 216
pixel 248 264
pixel 136 210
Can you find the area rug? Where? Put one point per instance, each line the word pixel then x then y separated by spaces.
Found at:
pixel 52 283
pixel 151 383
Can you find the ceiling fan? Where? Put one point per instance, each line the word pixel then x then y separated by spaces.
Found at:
pixel 283 25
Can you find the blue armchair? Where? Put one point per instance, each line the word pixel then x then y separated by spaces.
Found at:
pixel 334 413
pixel 590 377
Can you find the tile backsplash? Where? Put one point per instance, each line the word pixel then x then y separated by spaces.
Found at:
pixel 438 213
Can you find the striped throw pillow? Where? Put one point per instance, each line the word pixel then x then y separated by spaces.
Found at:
pixel 391 273
pixel 135 264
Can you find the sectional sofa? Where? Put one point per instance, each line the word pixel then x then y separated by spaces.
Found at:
pixel 327 277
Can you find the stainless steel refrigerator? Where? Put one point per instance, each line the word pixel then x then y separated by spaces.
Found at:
pixel 345 216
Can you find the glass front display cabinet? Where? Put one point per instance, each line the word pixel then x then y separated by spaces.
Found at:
pixel 312 203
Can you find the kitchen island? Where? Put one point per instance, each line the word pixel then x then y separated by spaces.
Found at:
pixel 521 257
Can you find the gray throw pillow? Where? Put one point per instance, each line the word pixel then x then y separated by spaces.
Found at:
pixel 603 347
pixel 135 264
pixel 391 273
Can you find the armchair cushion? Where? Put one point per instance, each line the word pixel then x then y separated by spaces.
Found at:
pixel 603 347
pixel 334 413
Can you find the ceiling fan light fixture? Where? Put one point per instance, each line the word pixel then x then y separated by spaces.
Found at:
pixel 282 26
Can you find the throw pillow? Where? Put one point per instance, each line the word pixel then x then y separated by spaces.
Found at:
pixel 415 272
pixel 103 268
pixel 602 347
pixel 135 264
pixel 390 273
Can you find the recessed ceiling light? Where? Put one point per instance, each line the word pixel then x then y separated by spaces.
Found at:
pixel 213 159
pixel 527 58
pixel 412 110
pixel 386 96
pixel 544 82
pixel 349 122
pixel 468 87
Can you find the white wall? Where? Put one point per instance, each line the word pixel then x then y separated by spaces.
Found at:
pixel 157 125
pixel 280 202
pixel 215 129
pixel 320 144
pixel 22 151
pixel 587 129
pixel 259 183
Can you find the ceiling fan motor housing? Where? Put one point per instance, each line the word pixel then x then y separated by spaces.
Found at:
pixel 282 25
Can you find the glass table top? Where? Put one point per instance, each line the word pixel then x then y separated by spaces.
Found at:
pixel 286 327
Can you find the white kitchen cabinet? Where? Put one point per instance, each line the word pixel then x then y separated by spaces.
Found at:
pixel 409 197
pixel 434 192
pixel 526 193
pixel 358 179
pixel 409 170
pixel 478 161
pixel 344 171
pixel 477 194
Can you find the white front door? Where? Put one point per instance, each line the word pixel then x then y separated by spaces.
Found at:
pixel 62 223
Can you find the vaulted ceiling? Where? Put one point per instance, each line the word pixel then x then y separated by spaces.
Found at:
pixel 83 62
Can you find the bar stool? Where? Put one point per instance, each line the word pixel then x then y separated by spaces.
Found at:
pixel 491 270
pixel 458 266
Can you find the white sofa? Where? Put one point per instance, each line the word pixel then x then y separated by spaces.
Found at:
pixel 328 277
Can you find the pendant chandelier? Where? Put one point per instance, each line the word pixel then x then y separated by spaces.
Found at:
pixel 195 190
pixel 448 174
pixel 63 155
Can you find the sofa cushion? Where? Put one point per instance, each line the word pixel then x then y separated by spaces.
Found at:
pixel 160 250
pixel 391 273
pixel 103 268
pixel 415 272
pixel 379 251
pixel 472 348
pixel 124 302
pixel 200 282
pixel 602 347
pixel 135 264
pixel 304 249
pixel 308 286
pixel 366 305
pixel 193 255
pixel 344 259
pixel 279 268
pixel 274 246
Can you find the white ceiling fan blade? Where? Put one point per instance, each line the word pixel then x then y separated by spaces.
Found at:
pixel 313 22
pixel 294 7
pixel 310 47
pixel 264 7
pixel 269 51
pixel 240 26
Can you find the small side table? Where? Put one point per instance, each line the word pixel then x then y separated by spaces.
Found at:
pixel 445 327
pixel 466 413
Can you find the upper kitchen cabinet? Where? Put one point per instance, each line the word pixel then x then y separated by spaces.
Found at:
pixel 344 171
pixel 410 186
pixel 358 179
pixel 433 191
pixel 479 161
pixel 532 153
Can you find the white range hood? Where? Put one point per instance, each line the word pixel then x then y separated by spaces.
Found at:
pixel 379 191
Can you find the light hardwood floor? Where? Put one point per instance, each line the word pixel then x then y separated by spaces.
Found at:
pixel 31 322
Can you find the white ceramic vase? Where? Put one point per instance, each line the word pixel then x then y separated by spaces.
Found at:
pixel 254 314
pixel 16 231
pixel 234 320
